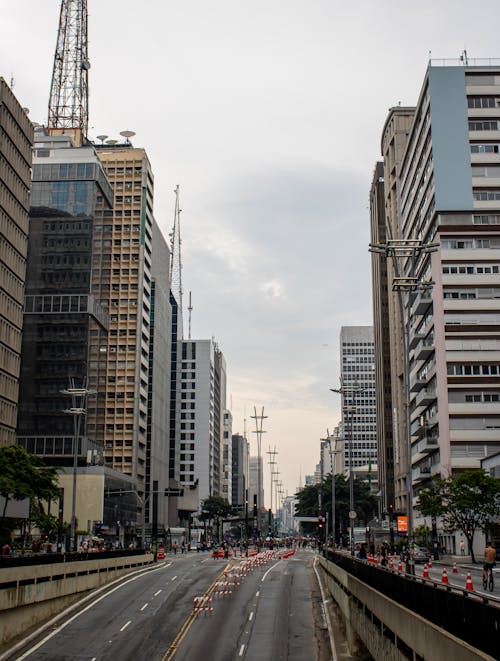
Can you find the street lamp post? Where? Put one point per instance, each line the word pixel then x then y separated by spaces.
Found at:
pixel 406 255
pixel 77 410
pixel 349 410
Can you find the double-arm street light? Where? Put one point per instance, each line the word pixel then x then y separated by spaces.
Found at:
pixel 333 464
pixel 77 410
pixel 409 266
pixel 351 391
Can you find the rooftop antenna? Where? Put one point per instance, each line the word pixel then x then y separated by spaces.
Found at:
pixel 12 81
pixel 176 260
pixel 190 310
pixel 69 91
pixel 464 58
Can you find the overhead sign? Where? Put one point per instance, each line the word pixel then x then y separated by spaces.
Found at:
pixel 402 523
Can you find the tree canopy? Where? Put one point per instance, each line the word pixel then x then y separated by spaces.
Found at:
pixel 365 504
pixel 215 507
pixel 467 501
pixel 23 475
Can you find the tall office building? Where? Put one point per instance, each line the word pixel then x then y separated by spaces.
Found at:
pixel 16 139
pixel 63 319
pixel 358 406
pixel 239 457
pixel 448 183
pixel 254 465
pixel 202 386
pixel 131 271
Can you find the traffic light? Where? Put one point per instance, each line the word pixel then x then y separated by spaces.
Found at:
pixel 255 505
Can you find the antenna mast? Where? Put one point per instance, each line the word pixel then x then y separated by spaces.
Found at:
pixel 69 91
pixel 190 310
pixel 176 260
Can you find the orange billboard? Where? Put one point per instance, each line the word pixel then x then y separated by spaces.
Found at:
pixel 402 523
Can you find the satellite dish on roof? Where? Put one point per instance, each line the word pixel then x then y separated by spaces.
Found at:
pixel 127 135
pixel 111 142
pixel 102 138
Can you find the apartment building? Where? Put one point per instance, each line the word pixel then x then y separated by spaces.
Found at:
pixel 16 140
pixel 357 369
pixel 448 193
pixel 227 458
pixel 131 273
pixel 200 428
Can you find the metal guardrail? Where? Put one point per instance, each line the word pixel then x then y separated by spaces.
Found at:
pixel 51 558
pixel 468 616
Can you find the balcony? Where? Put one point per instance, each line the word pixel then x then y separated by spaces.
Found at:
pixel 417 383
pixel 425 397
pixel 424 349
pixel 429 444
pixel 421 304
pixel 415 338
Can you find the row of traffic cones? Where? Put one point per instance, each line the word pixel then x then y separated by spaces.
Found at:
pixel 444 577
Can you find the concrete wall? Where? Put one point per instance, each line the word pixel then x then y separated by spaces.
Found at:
pixel 385 627
pixel 30 595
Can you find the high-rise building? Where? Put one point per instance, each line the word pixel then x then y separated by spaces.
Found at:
pixel 131 271
pixel 64 324
pixel 239 455
pixel 202 386
pixel 227 458
pixel 255 464
pixel 358 401
pixel 16 139
pixel 448 183
pixel 388 334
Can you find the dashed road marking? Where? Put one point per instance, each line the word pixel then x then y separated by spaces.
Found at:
pixel 257 593
pixel 145 606
pixel 242 649
pixel 173 578
pixel 250 617
pixel 157 593
pixel 125 625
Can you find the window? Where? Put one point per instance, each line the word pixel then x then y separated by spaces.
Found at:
pixel 489 125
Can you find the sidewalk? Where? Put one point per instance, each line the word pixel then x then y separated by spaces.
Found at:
pixel 463 561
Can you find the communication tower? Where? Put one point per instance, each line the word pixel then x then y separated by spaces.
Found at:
pixel 69 90
pixel 175 257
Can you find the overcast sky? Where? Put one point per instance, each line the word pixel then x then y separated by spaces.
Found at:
pixel 268 114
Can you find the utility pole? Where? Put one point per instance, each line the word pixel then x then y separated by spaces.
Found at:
pixel 272 454
pixel 68 112
pixel 259 421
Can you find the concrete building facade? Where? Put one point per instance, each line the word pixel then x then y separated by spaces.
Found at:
pixel 240 483
pixel 358 405
pixel 16 140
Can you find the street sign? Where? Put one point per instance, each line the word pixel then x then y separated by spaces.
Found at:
pixel 353 515
pixel 174 492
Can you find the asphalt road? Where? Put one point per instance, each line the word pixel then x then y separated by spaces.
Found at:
pixel 274 612
pixel 459 579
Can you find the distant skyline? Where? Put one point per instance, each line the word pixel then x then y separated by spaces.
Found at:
pixel 269 117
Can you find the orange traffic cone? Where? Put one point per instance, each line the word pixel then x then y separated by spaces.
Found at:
pixel 429 564
pixel 400 567
pixel 468 582
pixel 455 570
pixel 426 572
pixel 444 578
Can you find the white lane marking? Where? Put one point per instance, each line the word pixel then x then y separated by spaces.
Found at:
pixel 242 649
pixel 94 659
pixel 257 593
pixel 173 578
pixel 206 560
pixel 125 625
pixel 270 569
pixel 145 606
pixel 250 617
pixel 57 630
pixel 168 565
pixel 157 593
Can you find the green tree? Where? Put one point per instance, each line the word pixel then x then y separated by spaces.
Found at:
pixel 23 475
pixel 215 507
pixel 467 502
pixel 364 503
